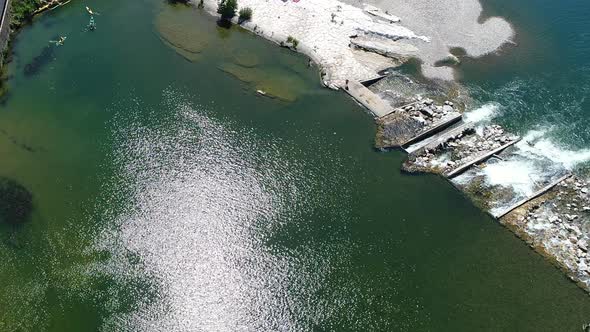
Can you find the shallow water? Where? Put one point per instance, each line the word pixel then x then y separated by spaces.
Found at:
pixel 168 195
pixel 539 89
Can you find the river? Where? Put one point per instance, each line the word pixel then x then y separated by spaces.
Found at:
pixel 159 192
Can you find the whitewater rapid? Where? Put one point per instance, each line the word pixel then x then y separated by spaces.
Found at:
pixel 532 163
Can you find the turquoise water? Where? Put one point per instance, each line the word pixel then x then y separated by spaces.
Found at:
pixel 543 82
pixel 166 195
pixel 537 89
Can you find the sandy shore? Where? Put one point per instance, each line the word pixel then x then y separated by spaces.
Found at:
pixel 324 29
pixel 448 24
pixel 352 41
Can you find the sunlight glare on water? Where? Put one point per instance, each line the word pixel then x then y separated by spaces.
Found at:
pixel 202 202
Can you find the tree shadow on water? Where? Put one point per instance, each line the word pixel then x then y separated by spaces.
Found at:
pixel 224 28
pixel 16 202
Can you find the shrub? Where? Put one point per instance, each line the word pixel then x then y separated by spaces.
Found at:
pixel 245 14
pixel 22 11
pixel 227 9
pixel 292 41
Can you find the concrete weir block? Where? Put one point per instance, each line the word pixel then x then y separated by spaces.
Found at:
pixel 367 98
pixel 436 128
pixel 479 159
pixel 531 197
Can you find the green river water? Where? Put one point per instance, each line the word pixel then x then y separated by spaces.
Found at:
pixel 165 195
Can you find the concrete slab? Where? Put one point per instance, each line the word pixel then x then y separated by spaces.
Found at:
pixel 434 141
pixel 368 98
pixel 440 125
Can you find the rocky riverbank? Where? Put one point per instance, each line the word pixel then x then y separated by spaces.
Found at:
pixel 557 224
pixel 554 218
pixel 410 122
pixel 458 149
pixel 353 40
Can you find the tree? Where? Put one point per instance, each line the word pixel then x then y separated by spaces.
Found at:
pixel 245 14
pixel 22 11
pixel 227 9
pixel 293 41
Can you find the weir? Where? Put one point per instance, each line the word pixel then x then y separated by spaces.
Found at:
pixel 372 81
pixel 446 145
pixel 439 126
pixel 435 141
pixel 531 197
pixel 479 159
pixel 440 129
pixel 368 98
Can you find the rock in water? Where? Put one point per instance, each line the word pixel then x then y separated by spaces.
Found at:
pixel 16 202
pixel 178 27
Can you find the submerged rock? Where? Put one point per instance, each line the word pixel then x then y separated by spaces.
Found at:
pixel 274 83
pixel 178 27
pixel 16 202
pixel 245 58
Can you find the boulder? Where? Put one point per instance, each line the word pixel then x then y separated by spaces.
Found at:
pixel 583 245
pixel 447 109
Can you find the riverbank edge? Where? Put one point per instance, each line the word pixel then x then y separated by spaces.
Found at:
pixel 210 6
pixel 11 27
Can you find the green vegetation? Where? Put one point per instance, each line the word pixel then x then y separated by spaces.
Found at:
pixel 227 9
pixel 22 11
pixel 293 41
pixel 245 14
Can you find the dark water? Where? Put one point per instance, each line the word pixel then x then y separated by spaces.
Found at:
pixel 160 193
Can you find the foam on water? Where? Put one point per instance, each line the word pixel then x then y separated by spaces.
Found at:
pixel 485 113
pixel 533 163
pixel 520 174
pixel 536 160
pixel 542 154
pixel 538 144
